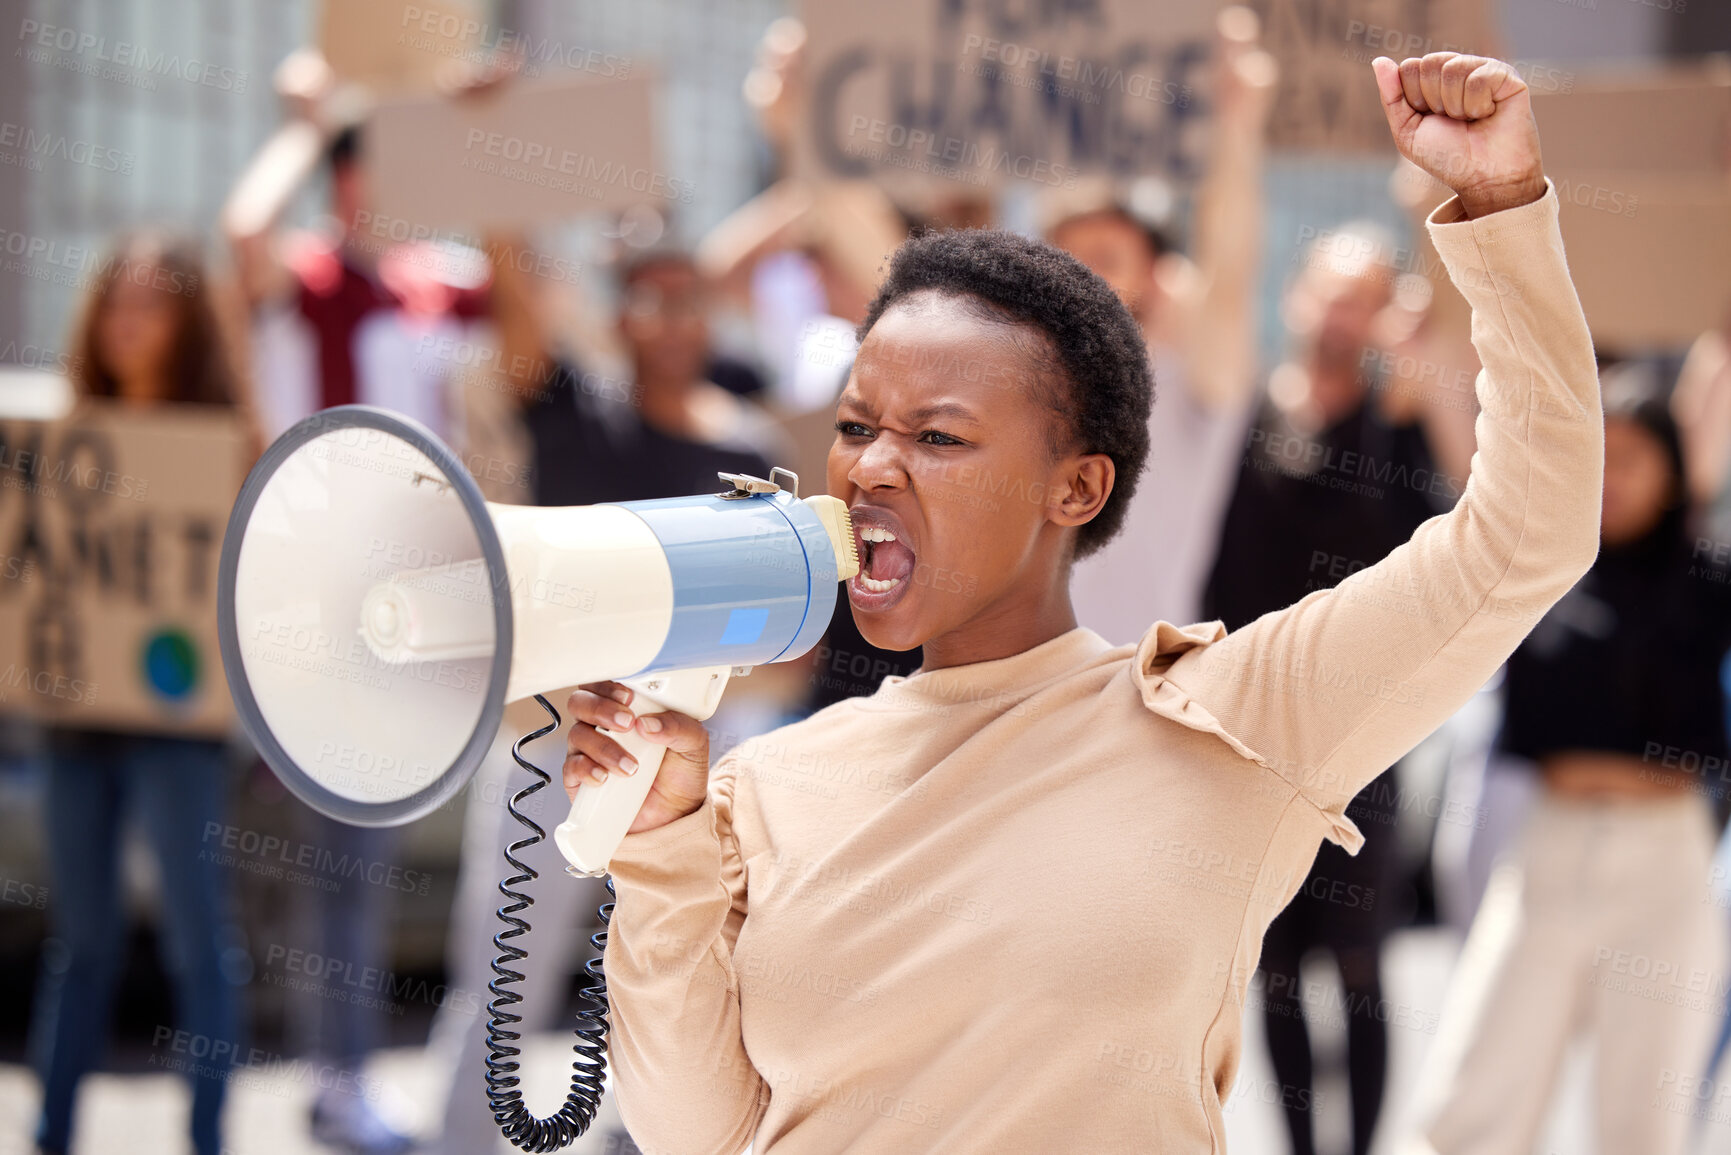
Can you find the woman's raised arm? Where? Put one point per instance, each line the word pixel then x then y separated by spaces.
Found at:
pixel 1330 691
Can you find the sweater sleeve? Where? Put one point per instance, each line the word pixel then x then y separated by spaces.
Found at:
pixel 680 1074
pixel 1330 691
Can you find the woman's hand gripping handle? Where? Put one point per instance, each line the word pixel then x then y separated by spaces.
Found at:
pixel 637 758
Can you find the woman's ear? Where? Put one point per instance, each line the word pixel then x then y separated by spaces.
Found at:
pixel 1082 490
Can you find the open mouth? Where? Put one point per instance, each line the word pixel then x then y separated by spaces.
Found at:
pixel 886 565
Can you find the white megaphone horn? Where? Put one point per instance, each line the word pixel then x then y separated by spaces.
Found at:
pixel 376 614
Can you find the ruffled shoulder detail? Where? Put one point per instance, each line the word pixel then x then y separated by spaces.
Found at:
pixel 1162 646
pixel 1344 832
pixel 1159 649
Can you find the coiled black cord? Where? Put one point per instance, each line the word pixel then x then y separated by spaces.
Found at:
pixel 590 1066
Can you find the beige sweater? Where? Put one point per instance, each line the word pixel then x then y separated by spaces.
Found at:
pixel 1014 906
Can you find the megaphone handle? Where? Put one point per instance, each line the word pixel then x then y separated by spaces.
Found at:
pixel 600 815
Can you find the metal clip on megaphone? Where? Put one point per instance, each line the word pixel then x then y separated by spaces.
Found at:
pixel 376 615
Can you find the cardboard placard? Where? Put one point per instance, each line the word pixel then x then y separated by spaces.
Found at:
pixel 398 46
pixel 519 156
pixel 964 96
pixel 1326 100
pixel 111 525
pixel 1662 120
pixel 1639 160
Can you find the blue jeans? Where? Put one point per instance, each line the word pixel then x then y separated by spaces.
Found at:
pixel 347 924
pixel 173 786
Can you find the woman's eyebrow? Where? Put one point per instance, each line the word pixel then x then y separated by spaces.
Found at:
pixel 926 412
pixel 942 409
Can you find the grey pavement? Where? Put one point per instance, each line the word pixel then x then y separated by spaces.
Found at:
pixel 145 1114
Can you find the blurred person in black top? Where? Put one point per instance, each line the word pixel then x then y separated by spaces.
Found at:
pixel 1627 662
pixel 1600 918
pixel 1328 484
pixel 666 432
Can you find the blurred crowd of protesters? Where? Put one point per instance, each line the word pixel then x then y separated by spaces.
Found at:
pixel 1267 484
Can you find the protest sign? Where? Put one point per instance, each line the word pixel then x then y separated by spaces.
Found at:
pixel 520 156
pixel 111 524
pixel 1639 162
pixel 966 95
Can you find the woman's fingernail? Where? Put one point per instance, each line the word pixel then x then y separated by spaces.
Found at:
pixel 652 725
pixel 628 764
pixel 622 696
pixel 622 718
pixel 598 775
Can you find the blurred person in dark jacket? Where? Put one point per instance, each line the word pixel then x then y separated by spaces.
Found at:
pixel 1328 484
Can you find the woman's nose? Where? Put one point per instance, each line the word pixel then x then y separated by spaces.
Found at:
pixel 879 465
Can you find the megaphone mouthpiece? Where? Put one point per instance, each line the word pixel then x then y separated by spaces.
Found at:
pixel 832 511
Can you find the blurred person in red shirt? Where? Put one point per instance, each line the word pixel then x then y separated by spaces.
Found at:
pixel 343 315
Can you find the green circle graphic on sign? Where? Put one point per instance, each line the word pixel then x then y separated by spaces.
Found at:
pixel 171 664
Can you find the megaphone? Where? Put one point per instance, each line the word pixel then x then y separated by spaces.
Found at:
pixel 376 614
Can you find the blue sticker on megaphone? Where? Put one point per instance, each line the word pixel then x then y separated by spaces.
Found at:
pixel 745 625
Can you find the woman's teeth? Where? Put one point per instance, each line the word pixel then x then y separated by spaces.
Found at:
pixel 875 561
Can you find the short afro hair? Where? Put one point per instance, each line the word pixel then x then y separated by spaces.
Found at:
pixel 1098 347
